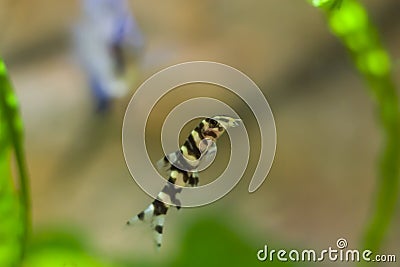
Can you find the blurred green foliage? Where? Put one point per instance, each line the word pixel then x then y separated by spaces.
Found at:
pixel 62 248
pixel 211 241
pixel 10 223
pixel 208 241
pixel 13 202
pixel 351 24
pixel 327 4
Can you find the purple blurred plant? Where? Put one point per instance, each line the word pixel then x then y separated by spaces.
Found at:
pixel 105 37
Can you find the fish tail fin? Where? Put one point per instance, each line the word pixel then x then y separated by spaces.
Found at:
pixel 145 215
pixel 155 215
pixel 157 225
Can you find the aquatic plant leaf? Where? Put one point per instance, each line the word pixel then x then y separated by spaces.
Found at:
pixel 11 223
pixel 351 24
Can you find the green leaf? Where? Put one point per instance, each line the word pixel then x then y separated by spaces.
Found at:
pixel 13 200
pixel 351 24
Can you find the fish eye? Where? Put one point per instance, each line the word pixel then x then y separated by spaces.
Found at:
pixel 212 124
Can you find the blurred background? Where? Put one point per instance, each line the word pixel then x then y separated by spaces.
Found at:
pixel 321 185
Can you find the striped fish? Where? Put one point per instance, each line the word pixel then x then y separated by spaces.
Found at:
pixel 182 169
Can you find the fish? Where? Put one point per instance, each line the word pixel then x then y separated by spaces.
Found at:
pixel 182 169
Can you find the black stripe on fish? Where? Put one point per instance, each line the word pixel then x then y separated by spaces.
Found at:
pixel 193 181
pixel 159 229
pixel 211 122
pixel 199 131
pixel 159 207
pixel 192 147
pixel 185 177
pixel 141 216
